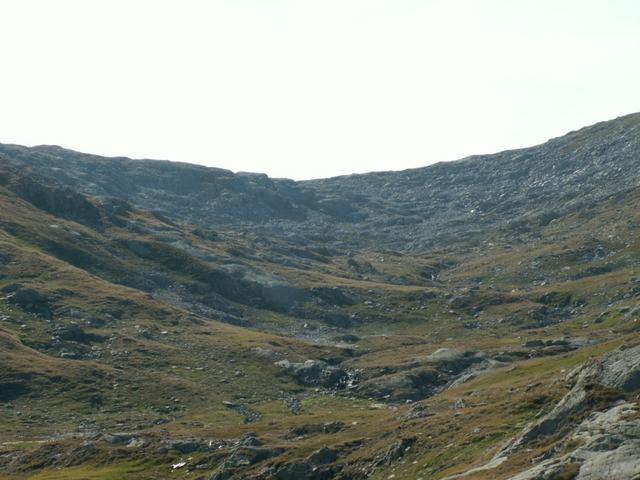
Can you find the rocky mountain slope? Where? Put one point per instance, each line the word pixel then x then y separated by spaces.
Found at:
pixel 473 319
pixel 408 210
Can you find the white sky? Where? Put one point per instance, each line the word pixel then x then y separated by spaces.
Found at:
pixel 307 89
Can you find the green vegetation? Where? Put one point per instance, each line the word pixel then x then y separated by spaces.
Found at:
pixel 131 342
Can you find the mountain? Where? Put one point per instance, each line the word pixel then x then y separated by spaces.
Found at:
pixel 472 319
pixel 409 210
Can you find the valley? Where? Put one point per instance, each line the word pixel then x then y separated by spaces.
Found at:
pixel 474 319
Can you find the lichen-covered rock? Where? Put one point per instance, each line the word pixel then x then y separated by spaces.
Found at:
pixel 618 371
pixel 316 373
pixel 608 449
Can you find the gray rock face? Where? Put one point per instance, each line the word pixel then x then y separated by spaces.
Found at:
pixel 322 456
pixel 605 445
pixel 609 449
pixel 59 200
pixel 620 370
pixel 411 385
pixel 441 369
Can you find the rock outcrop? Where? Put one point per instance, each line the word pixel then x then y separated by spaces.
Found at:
pixel 608 449
pixel 316 373
pixel 597 382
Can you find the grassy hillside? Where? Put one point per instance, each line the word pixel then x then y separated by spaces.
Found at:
pixel 138 344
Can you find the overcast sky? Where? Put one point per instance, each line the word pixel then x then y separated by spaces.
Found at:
pixel 307 89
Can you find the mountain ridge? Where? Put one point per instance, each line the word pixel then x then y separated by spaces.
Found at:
pixel 385 207
pixel 470 157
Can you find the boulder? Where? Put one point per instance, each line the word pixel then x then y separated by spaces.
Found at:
pixel 71 332
pixel 305 471
pixel 396 451
pixel 322 456
pixel 315 428
pixel 316 373
pixel 399 387
pixel 187 446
